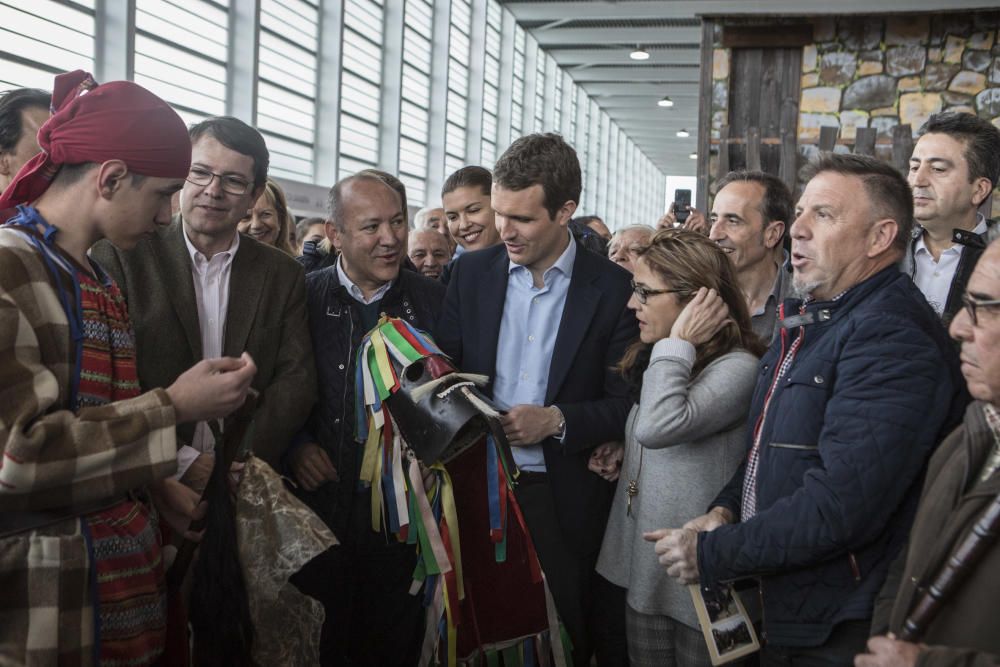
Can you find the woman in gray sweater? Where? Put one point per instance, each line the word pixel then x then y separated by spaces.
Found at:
pixel 693 372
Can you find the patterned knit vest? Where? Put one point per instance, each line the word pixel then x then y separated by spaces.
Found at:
pixel 130 594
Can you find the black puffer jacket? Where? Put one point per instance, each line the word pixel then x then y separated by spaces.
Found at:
pixel 335 325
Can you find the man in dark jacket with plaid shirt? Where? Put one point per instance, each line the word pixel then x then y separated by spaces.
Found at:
pixel 853 395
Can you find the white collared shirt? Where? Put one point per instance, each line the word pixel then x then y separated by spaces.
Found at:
pixel 932 278
pixel 211 292
pixel 354 290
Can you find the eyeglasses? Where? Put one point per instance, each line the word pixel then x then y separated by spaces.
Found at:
pixel 234 185
pixel 642 292
pixel 973 305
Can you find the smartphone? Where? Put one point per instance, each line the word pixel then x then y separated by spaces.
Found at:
pixel 682 199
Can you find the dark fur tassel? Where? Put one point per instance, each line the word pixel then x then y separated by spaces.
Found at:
pixel 219 610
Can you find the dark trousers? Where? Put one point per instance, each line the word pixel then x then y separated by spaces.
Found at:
pixel 591 608
pixel 363 583
pixel 847 640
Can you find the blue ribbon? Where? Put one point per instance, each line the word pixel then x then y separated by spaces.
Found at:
pixel 424 339
pixel 30 218
pixel 529 652
pixel 389 497
pixel 360 415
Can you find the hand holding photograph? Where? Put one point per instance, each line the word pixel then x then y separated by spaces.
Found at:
pixel 725 623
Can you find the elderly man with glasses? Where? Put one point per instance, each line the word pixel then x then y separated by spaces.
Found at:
pixel 199 290
pixel 963 481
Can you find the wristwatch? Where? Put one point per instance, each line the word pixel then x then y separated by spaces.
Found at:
pixel 562 424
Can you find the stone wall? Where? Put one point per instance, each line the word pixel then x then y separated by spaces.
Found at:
pixel 883 71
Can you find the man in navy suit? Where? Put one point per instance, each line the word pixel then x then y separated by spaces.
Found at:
pixel 547 320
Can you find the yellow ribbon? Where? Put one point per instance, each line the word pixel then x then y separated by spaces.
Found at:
pixel 371 454
pixel 382 360
pixel 377 495
pixel 451 515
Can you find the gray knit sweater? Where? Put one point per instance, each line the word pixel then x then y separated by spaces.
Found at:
pixel 691 437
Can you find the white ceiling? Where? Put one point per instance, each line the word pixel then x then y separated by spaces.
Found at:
pixel 592 40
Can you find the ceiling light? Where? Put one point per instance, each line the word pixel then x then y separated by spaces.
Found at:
pixel 683 134
pixel 665 102
pixel 639 53
pixel 693 156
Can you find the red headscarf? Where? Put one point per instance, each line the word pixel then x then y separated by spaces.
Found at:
pixel 95 123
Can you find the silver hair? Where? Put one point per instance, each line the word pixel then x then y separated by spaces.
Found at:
pixel 633 228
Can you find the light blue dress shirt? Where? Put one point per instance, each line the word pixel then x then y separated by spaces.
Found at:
pixel 528 329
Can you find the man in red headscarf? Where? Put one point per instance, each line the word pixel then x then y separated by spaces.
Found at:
pixel 80 563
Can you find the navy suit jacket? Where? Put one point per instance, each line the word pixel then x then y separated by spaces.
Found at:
pixel 594 331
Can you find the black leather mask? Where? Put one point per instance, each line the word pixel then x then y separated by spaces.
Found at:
pixel 438 411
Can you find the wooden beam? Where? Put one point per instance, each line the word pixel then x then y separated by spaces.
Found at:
pixel 864 141
pixel 767 37
pixel 902 147
pixel 705 115
pixel 723 151
pixel 753 148
pixel 528 10
pixel 652 36
pixel 828 137
pixel 788 154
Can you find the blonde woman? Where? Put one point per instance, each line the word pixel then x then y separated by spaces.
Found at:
pixel 269 220
pixel 692 372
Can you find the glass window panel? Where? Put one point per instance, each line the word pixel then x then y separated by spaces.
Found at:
pixel 416 91
pixel 455 139
pixel 289 159
pixel 489 127
pixel 458 75
pixel 457 108
pixel 286 92
pixel 287 60
pixel 516 122
pixel 358 96
pixel 418 50
pixel 452 164
pixel 297 17
pixel 210 84
pixel 419 15
pixel 49 24
pixel 491 99
pixel 181 50
pixel 16 75
pixel 489 154
pixel 52 36
pixel 362 57
pixel 176 95
pixel 359 131
pixel 364 17
pixel 412 157
pixel 198 25
pixel 349 166
pixel 414 125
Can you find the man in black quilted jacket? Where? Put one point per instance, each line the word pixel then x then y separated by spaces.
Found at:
pixel 856 390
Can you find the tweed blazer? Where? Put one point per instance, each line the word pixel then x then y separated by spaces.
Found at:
pixel 54 458
pixel 266 317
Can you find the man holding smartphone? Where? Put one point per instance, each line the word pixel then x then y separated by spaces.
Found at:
pixel 682 214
